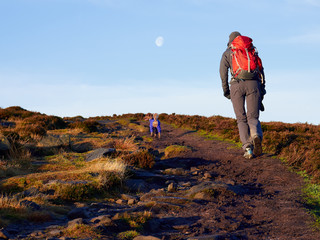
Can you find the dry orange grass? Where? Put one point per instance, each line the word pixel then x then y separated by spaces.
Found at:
pixel 125 144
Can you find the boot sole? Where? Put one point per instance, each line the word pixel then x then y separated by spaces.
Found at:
pixel 257 149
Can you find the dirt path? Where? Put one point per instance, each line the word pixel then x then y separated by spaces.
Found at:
pixel 216 194
pixel 268 205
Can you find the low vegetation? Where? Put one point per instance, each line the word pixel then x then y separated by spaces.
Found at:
pixel 176 150
pixel 58 173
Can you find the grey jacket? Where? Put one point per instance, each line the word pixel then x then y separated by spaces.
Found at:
pixel 225 65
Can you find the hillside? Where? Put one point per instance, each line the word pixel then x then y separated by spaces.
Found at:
pixel 106 178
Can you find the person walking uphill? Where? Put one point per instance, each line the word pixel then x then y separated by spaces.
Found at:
pixel 247 84
pixel 155 128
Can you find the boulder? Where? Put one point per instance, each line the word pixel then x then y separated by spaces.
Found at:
pixel 146 238
pixel 31 205
pixel 4 145
pixel 137 185
pixel 102 220
pixel 53 141
pixel 74 222
pixel 99 153
pixel 81 147
pixel 4 234
pixel 78 213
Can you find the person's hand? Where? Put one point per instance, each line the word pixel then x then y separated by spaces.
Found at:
pixel 227 94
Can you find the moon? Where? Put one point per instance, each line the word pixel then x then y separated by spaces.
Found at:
pixel 159 41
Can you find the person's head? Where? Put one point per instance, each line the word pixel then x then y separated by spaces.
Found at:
pixel 232 36
pixel 155 116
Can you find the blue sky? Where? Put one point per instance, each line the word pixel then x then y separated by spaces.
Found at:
pixel 99 57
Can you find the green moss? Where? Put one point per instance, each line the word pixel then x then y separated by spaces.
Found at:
pixel 176 150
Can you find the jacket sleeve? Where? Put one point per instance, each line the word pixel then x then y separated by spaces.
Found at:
pixel 150 125
pixel 224 69
pixel 159 127
pixel 263 79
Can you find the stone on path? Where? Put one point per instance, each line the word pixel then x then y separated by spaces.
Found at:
pixel 99 153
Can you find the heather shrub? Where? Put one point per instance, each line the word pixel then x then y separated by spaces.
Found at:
pixel 88 126
pixel 15 112
pixel 141 159
pixel 46 122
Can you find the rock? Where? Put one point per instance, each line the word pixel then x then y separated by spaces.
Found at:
pixel 210 237
pixel 102 220
pixel 169 199
pixel 194 169
pixel 81 147
pixel 146 238
pixel 180 227
pixel 55 232
pixel 210 188
pixel 174 171
pixel 172 187
pixel 36 234
pixel 120 201
pixel 4 145
pixel 128 197
pixel 202 196
pixel 78 213
pixel 131 201
pixel 31 205
pixel 75 222
pixel 30 192
pixel 186 184
pixel 207 175
pixel 137 185
pixel 99 153
pixel 151 194
pixel 4 234
pixel 52 141
pixel 116 216
pixel 153 225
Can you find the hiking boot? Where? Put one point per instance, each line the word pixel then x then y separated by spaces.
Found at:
pixel 248 153
pixel 257 147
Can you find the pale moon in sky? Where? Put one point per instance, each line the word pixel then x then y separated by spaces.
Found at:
pixel 159 41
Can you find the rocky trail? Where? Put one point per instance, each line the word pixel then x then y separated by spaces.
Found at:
pixel 209 193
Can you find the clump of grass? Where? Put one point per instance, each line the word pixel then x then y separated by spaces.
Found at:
pixel 95 179
pixel 82 231
pixel 11 210
pixel 141 159
pixel 176 150
pixel 128 235
pixel 63 161
pixel 107 165
pixel 76 192
pixel 137 127
pixel 135 222
pixel 125 144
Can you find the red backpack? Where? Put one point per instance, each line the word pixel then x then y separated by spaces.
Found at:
pixel 246 63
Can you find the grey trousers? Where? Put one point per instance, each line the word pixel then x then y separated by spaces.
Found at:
pixel 247 118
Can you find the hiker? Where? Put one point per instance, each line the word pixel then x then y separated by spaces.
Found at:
pixel 247 84
pixel 155 128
